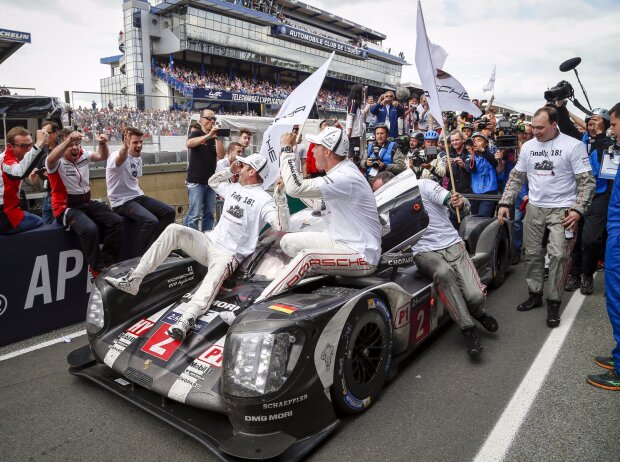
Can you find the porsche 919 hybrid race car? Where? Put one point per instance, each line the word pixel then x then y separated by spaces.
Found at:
pixel 276 381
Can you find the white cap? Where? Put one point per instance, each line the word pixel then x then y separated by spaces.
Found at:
pixel 332 138
pixel 258 163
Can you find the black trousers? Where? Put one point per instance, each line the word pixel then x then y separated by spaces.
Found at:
pixel 590 244
pixel 152 215
pixel 85 220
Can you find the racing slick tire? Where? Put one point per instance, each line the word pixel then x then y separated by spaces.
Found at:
pixel 363 357
pixel 501 257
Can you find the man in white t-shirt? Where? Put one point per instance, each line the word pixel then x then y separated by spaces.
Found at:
pixel 247 209
pixel 561 186
pixel 351 243
pixel 234 149
pixel 123 169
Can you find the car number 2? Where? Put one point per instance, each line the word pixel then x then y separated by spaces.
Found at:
pixel 161 345
pixel 421 322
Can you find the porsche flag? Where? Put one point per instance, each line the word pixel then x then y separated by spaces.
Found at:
pixel 490 86
pixel 294 111
pixel 443 92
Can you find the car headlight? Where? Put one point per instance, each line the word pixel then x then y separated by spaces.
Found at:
pixel 258 363
pixel 94 314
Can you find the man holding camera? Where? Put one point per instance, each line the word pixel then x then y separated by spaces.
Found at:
pixel 382 155
pixel 435 166
pixel 458 157
pixel 481 164
pixel 388 113
pixel 561 184
pixel 204 151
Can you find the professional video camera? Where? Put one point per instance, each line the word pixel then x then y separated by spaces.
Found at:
pixel 563 90
pixel 450 120
pixel 507 134
pixel 401 141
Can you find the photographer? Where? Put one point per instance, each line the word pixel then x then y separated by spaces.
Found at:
pixel 382 156
pixel 458 158
pixel 482 164
pixel 467 130
pixel 590 242
pixel 411 117
pixel 388 112
pixel 435 166
pixel 415 154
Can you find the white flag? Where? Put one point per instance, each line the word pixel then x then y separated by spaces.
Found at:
pixel 490 86
pixel 294 111
pixel 443 92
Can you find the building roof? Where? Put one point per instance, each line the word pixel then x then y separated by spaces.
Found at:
pixel 11 41
pixel 110 59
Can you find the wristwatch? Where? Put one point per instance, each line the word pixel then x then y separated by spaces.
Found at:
pixel 288 149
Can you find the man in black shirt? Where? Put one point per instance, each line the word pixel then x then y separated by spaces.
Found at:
pixel 204 151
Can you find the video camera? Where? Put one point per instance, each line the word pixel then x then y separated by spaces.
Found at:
pixel 401 141
pixel 563 90
pixel 507 133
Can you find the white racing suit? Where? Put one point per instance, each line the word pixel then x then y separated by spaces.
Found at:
pixel 246 210
pixel 351 244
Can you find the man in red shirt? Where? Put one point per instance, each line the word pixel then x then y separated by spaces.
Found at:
pixel 16 163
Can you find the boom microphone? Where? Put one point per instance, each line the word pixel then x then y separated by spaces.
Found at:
pixel 570 64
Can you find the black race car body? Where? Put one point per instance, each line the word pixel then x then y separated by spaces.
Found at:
pixel 275 382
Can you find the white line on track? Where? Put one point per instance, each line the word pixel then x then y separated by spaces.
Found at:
pixel 506 428
pixel 38 346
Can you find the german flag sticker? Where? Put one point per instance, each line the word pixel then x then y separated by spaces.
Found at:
pixel 288 309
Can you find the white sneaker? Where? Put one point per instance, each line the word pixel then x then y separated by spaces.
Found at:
pixel 127 283
pixel 179 329
pixel 228 317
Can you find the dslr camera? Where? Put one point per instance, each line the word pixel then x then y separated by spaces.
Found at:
pixel 563 90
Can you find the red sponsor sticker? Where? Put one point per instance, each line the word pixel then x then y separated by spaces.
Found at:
pixel 161 345
pixel 212 356
pixel 141 327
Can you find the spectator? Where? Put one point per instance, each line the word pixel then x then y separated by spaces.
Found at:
pixel 435 166
pixel 467 130
pixel 382 155
pixel 369 118
pixel 245 137
pixel 458 158
pixel 356 129
pixel 16 163
pixel 123 169
pixel 204 151
pixel 560 190
pixel 38 177
pixel 481 165
pixel 68 169
pixel 411 115
pixel 388 113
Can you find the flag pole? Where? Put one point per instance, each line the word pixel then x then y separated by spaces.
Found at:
pixel 443 124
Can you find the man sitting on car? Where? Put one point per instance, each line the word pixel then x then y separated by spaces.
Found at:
pixel 247 209
pixel 351 243
pixel 441 255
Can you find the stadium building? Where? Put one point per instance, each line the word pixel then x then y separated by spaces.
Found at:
pixel 276 42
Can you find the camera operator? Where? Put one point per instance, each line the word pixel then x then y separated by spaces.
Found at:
pixel 561 186
pixel 388 111
pixel 415 154
pixel 481 164
pixel 589 242
pixel 382 155
pixel 435 166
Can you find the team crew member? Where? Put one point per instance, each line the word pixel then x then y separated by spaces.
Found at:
pixel 561 184
pixel 16 163
pixel 611 379
pixel 247 209
pixel 441 255
pixel 123 169
pixel 351 244
pixel 68 169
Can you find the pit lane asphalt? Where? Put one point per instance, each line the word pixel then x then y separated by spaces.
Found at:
pixel 441 407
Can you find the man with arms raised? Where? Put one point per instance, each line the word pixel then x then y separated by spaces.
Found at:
pixel 353 230
pixel 123 169
pixel 561 186
pixel 247 209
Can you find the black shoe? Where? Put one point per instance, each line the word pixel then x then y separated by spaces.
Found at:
pixel 606 362
pixel 534 301
pixel 474 347
pixel 488 322
pixel 572 283
pixel 610 380
pixel 587 284
pixel 553 313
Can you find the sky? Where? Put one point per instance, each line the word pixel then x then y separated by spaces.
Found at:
pixel 526 39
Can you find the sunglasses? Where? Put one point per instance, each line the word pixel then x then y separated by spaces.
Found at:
pixel 211 118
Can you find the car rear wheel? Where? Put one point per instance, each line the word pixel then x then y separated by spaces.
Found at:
pixel 363 356
pixel 501 257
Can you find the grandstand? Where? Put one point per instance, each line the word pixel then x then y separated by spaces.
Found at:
pixel 240 56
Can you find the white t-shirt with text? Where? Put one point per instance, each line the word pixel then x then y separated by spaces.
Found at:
pixel 122 181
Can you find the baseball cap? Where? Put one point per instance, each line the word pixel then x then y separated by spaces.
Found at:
pixel 333 139
pixel 258 163
pixel 481 135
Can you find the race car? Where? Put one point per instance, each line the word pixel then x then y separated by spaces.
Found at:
pixel 281 377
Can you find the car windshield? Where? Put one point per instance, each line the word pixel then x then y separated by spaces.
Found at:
pixel 268 260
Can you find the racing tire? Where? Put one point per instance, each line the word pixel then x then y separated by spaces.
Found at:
pixel 363 357
pixel 501 257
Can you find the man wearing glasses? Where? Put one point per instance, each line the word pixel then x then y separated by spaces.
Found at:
pixel 16 163
pixel 388 113
pixel 204 151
